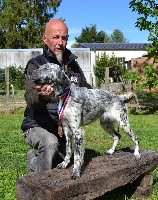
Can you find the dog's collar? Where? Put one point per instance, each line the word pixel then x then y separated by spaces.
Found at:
pixel 62 102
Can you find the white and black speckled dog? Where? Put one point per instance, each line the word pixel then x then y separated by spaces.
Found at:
pixel 78 106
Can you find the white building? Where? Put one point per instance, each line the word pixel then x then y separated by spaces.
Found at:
pixel 86 55
pixel 123 51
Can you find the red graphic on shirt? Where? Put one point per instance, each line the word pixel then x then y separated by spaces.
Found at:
pixel 74 79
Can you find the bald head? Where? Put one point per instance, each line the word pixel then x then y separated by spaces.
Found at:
pixel 56 36
pixel 54 25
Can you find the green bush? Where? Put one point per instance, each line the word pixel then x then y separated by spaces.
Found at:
pixel 103 61
pixel 150 77
pixel 2 79
pixel 16 77
pixel 148 81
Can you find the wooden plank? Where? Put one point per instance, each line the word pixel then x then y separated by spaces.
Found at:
pixel 100 175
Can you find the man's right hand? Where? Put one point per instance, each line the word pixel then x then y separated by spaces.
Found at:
pixel 45 90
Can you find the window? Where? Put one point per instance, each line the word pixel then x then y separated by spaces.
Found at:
pixel 120 60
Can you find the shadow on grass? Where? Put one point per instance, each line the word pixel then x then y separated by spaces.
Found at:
pixel 90 153
pixel 4 93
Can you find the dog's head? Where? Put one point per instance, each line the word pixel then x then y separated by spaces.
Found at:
pixel 52 74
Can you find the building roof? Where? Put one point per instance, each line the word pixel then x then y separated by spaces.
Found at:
pixel 114 46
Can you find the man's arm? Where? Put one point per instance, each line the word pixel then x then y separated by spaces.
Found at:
pixel 36 95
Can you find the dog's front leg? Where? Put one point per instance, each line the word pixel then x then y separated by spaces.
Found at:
pixel 78 153
pixel 68 136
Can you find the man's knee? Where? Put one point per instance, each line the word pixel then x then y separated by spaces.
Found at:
pixel 51 144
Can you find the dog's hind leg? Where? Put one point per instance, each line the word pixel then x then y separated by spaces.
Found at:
pixel 108 126
pixel 78 153
pixel 125 126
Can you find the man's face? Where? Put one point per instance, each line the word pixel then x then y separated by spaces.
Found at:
pixel 55 37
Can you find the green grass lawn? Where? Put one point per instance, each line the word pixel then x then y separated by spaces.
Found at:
pixel 13 149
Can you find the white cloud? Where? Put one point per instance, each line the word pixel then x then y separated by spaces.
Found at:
pixel 108 31
pixel 69 43
pixel 74 31
pixel 132 31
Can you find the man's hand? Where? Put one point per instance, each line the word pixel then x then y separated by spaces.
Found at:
pixel 45 90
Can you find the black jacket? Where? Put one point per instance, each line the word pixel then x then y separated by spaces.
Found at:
pixel 39 111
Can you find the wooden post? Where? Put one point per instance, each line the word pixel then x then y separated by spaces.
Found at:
pixel 107 78
pixel 7 90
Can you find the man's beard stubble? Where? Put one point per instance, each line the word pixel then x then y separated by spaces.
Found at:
pixel 59 57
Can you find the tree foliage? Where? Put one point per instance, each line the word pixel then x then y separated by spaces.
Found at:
pixel 107 38
pixel 16 77
pixel 148 81
pixel 103 61
pixel 91 35
pixel 118 37
pixel 148 12
pixel 22 22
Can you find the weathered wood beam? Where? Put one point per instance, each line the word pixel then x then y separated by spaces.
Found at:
pixel 100 175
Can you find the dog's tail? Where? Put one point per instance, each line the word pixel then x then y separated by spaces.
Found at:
pixel 129 96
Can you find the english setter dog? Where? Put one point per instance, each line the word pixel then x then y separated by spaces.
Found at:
pixel 78 106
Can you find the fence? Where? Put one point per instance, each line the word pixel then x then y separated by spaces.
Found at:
pixel 20 57
pixel 9 101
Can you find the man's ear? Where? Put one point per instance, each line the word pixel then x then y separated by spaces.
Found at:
pixel 44 39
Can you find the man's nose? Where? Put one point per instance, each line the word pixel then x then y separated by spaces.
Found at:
pixel 60 41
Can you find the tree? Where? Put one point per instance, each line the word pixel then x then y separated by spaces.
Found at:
pixel 103 61
pixel 118 37
pixel 148 81
pixel 90 35
pixel 148 11
pixel 22 22
pixel 107 38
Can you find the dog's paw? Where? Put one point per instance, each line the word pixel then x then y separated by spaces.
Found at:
pixel 109 152
pixel 62 165
pixel 75 175
pixel 136 154
pixel 136 157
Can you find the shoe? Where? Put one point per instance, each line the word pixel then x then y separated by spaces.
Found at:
pixel 31 155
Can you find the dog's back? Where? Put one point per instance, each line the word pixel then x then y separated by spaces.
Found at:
pixel 95 102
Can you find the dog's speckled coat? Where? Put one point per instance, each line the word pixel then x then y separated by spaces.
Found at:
pixel 84 106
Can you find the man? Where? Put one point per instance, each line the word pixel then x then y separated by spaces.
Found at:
pixel 40 124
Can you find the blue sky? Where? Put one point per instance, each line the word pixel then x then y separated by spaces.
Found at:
pixel 106 14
